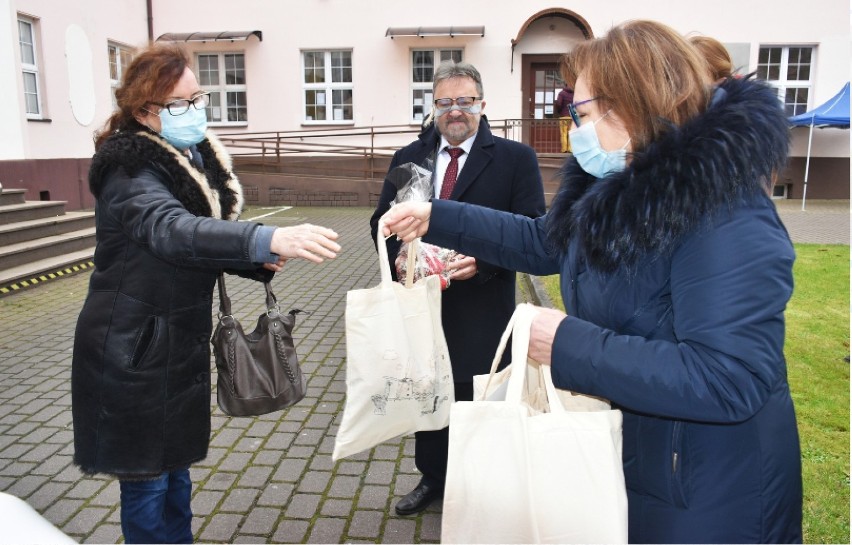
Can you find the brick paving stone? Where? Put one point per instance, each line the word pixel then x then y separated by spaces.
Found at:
pixel 260 520
pixel 47 494
pixel 276 495
pixel 314 482
pixel 303 506
pixel 281 441
pixel 110 495
pixel 240 500
pixel 248 444
pixel 221 481
pixel 290 470
pixel 204 502
pixel 336 508
pixel 380 472
pixel 290 531
pixel 234 461
pixel 255 476
pixel 105 533
pixel 268 457
pixel 366 524
pixel 221 527
pixel 327 531
pixel 242 538
pixel 374 497
pixel 399 531
pixel 344 487
pixel 26 485
pixel 430 527
pixel 61 511
pixel 85 489
pixel 86 520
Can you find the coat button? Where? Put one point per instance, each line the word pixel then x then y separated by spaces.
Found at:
pixel 201 377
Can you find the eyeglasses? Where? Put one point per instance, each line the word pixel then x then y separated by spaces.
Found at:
pixel 572 109
pixel 180 107
pixel 443 105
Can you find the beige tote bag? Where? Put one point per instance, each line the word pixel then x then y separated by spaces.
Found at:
pixel 524 467
pixel 398 374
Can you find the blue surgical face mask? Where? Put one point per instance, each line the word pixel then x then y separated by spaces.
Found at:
pixel 586 147
pixel 185 130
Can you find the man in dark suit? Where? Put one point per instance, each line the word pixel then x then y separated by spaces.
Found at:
pixel 488 171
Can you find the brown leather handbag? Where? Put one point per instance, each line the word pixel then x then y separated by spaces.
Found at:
pixel 259 373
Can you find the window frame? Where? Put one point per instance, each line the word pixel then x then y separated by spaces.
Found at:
pixel 31 69
pixel 328 86
pixel 122 52
pixel 219 91
pixel 782 85
pixel 422 90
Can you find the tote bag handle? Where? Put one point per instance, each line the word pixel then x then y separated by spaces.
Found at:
pixel 519 329
pixel 384 262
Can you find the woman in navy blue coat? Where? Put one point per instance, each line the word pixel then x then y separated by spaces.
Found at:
pixel 675 270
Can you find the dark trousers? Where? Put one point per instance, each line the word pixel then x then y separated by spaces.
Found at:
pixel 431 447
pixel 157 511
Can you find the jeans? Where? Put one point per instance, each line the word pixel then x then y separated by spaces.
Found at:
pixel 157 511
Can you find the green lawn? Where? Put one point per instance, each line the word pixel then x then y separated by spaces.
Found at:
pixel 817 350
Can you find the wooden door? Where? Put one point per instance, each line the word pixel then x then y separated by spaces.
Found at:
pixel 543 83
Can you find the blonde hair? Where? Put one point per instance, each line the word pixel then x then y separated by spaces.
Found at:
pixel 647 73
pixel 718 59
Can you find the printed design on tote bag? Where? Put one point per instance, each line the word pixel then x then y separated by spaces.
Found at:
pixel 426 391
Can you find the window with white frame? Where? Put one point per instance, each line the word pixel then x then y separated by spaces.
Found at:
pixel 327 84
pixel 788 69
pixel 423 65
pixel 29 67
pixel 223 75
pixel 119 58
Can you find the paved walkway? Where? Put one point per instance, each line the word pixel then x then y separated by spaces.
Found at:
pixel 268 479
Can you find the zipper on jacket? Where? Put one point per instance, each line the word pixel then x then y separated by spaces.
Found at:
pixel 674 462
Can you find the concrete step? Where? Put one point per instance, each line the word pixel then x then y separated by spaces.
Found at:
pixel 34 272
pixel 23 231
pixel 30 210
pixel 21 253
pixel 12 196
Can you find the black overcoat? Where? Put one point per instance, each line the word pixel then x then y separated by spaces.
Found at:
pixel 499 174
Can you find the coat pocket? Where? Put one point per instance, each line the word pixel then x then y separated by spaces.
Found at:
pixel 145 338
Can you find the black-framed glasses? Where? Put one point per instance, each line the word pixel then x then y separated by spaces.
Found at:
pixel 572 110
pixel 180 107
pixel 464 103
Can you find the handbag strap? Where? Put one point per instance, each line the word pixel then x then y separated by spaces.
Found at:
pixel 225 301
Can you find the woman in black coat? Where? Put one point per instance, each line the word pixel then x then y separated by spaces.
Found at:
pixel 166 210
pixel 675 270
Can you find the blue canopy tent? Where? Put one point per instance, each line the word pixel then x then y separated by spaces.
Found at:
pixel 833 113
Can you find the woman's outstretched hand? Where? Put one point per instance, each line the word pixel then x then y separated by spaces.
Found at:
pixel 408 220
pixel 542 333
pixel 312 242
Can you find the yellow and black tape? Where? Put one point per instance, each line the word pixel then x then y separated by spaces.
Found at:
pixel 29 282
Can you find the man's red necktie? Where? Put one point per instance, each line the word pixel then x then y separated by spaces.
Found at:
pixel 452 172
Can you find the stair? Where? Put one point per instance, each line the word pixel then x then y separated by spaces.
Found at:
pixel 39 239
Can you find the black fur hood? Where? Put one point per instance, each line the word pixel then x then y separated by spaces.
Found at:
pixel 724 156
pixel 213 192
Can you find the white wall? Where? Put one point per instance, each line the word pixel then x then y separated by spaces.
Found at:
pixel 64 135
pixel 381 65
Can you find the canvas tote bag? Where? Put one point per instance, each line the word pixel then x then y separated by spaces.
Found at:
pixel 527 467
pixel 398 374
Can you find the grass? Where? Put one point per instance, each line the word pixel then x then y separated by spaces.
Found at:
pixel 817 351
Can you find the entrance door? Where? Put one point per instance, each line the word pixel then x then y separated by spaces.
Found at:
pixel 541 85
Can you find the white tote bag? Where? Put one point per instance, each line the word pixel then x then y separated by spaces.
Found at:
pixel 398 374
pixel 526 467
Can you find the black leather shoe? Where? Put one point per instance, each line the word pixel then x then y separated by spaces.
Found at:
pixel 418 499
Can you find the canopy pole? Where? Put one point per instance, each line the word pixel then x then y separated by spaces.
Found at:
pixel 807 164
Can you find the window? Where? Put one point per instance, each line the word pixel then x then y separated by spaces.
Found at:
pixel 788 69
pixel 29 67
pixel 423 65
pixel 223 75
pixel 327 86
pixel 119 59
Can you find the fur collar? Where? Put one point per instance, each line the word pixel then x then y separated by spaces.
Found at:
pixel 213 192
pixel 724 156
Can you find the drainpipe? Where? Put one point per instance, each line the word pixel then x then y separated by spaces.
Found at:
pixel 150 22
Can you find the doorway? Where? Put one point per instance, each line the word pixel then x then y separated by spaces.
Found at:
pixel 541 85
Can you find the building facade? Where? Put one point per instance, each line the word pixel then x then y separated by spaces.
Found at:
pixel 318 65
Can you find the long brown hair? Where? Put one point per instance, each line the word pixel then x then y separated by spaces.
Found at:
pixel 151 76
pixel 646 72
pixel 718 59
